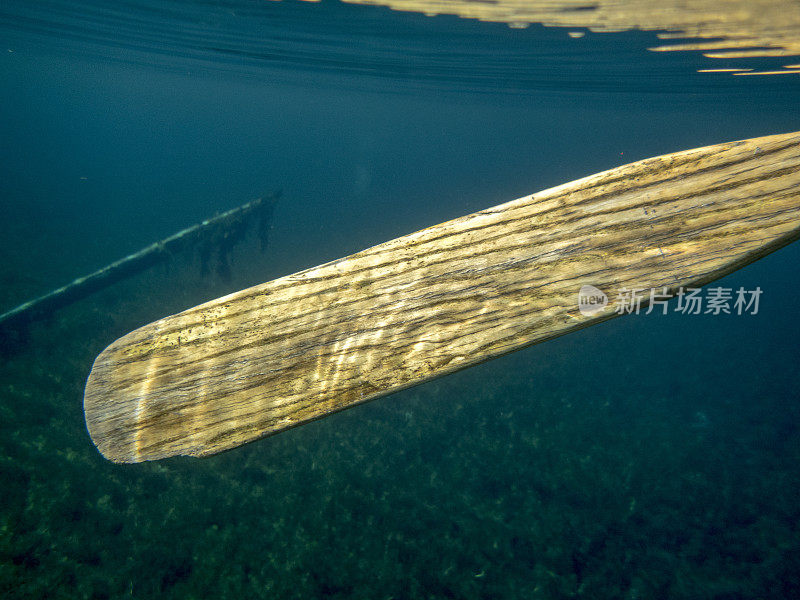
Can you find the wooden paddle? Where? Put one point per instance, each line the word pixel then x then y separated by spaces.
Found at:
pixel 303 346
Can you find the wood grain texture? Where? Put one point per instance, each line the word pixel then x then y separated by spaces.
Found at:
pixel 303 346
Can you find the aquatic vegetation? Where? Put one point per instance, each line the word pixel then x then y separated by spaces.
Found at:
pixel 481 484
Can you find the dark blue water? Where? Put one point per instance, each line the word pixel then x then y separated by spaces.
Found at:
pixel 651 456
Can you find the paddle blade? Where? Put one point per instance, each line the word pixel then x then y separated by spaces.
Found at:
pixel 303 346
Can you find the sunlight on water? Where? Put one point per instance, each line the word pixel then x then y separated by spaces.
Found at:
pixel 746 37
pixel 747 28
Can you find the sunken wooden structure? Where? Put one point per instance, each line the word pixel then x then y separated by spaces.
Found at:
pixel 218 235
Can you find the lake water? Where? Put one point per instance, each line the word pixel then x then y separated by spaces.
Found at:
pixel 651 456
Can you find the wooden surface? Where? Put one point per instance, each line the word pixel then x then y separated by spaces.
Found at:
pixel 282 353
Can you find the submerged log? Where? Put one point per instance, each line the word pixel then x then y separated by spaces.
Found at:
pixel 233 220
pixel 303 346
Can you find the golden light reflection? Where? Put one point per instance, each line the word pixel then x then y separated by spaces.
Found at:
pixel 741 28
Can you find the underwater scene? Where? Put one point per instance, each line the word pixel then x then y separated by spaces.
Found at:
pixel 223 144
